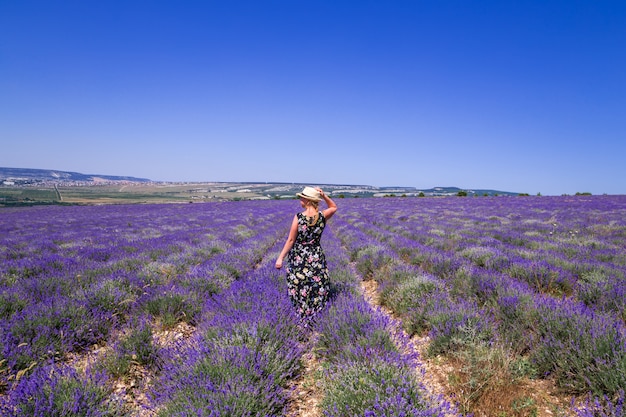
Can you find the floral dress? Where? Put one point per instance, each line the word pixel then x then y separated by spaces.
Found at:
pixel 307 274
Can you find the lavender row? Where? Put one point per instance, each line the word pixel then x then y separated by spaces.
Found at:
pixel 242 358
pixel 367 374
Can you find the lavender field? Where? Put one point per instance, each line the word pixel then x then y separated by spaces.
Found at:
pixel 176 309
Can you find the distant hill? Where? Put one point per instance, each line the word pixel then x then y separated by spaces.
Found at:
pixel 470 192
pixel 27 175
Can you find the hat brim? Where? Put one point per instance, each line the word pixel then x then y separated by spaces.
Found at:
pixel 308 197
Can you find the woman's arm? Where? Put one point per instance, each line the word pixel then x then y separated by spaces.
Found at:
pixel 293 231
pixel 332 207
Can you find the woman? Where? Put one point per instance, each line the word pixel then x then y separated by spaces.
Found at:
pixel 307 274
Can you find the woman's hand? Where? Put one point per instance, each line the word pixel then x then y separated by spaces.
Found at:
pixel 279 263
pixel 332 207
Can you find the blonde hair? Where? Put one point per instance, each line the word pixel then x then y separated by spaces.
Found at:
pixel 315 204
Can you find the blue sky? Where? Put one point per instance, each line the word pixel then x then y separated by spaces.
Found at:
pixel 523 96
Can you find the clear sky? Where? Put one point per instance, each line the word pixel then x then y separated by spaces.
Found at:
pixel 523 96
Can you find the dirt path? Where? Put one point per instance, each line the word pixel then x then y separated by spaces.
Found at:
pixel 306 394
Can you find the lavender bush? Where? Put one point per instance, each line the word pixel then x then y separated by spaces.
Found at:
pixel 243 357
pixel 135 347
pixel 57 391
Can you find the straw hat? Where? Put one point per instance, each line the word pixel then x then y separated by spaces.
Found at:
pixel 310 193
